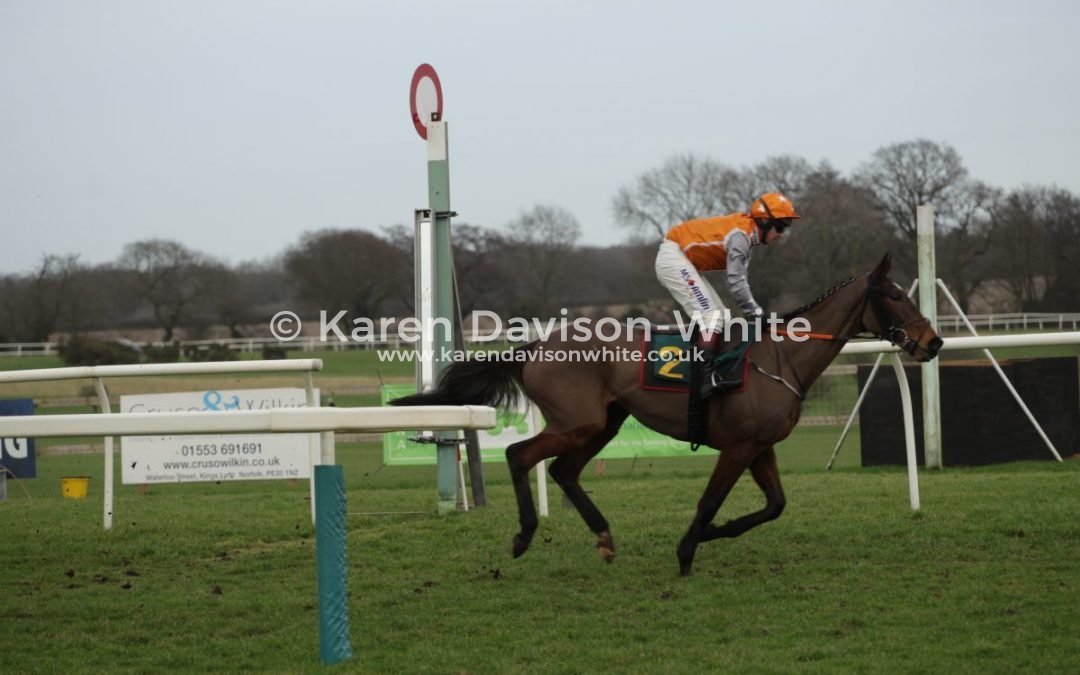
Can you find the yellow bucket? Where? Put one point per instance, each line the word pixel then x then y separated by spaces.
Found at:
pixel 75 487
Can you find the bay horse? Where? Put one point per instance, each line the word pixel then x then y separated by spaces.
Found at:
pixel 585 401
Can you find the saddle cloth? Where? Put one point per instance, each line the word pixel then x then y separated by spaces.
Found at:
pixel 669 358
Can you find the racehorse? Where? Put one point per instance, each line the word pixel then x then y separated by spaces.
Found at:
pixel 584 402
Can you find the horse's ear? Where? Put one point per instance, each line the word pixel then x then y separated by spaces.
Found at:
pixel 883 267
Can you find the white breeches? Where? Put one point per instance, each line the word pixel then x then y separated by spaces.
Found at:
pixel 695 295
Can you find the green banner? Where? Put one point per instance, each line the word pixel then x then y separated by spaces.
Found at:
pixel 633 440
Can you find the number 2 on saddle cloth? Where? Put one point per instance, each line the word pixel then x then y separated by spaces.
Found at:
pixel 677 364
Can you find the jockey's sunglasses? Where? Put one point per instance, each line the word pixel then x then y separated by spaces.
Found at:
pixel 779 224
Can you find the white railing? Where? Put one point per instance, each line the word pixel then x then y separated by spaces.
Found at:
pixel 157 369
pixel 28 348
pixel 277 420
pixel 980 342
pixel 43 424
pixel 1028 321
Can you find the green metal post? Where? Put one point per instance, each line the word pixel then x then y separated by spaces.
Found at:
pixel 331 563
pixel 443 282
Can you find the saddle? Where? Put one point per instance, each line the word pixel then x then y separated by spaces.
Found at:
pixel 724 363
pixel 702 368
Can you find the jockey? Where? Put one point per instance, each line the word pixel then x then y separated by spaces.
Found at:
pixel 720 243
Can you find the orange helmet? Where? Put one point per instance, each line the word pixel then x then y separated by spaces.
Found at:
pixel 772 206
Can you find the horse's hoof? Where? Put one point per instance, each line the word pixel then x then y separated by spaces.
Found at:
pixel 521 544
pixel 686 564
pixel 605 546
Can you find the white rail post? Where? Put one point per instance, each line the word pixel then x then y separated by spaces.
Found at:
pixel 314 458
pixel 106 409
pixel 931 400
pixel 541 466
pixel 909 432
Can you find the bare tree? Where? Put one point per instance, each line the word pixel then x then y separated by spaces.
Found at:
pixel 236 295
pixel 403 240
pixel 688 187
pixel 904 176
pixel 1036 247
pixel 783 173
pixel 617 274
pixel 265 287
pixel 965 240
pixel 170 278
pixel 1020 256
pixel 34 306
pixel 684 188
pixel 840 234
pixel 543 240
pixel 1062 220
pixel 101 299
pixel 480 267
pixel 350 270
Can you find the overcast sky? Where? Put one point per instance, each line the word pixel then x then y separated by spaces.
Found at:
pixel 236 126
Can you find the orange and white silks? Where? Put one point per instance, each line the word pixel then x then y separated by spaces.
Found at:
pixel 704 241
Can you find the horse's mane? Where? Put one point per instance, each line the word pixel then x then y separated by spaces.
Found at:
pixel 817 301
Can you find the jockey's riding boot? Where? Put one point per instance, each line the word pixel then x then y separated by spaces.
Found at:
pixel 708 380
pixel 709 377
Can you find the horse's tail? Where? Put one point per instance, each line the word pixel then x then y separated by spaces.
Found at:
pixel 496 383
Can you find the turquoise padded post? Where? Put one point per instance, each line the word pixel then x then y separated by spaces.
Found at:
pixel 331 564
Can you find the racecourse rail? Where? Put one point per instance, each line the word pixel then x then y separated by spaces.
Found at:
pixel 279 420
pixel 310 420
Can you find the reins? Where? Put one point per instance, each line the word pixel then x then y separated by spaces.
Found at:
pixel 800 391
pixel 811 336
pixel 896 335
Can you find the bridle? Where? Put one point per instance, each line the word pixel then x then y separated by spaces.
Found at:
pixel 897 335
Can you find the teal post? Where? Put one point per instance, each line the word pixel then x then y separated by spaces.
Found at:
pixel 331 562
pixel 443 282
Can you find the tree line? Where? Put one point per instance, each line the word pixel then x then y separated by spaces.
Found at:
pixel 1000 250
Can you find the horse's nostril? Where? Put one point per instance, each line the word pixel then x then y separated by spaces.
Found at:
pixel 935 345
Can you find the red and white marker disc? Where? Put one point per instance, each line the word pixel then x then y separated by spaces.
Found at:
pixel 425 98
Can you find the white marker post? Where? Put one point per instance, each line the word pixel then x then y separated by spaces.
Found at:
pixel 931 400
